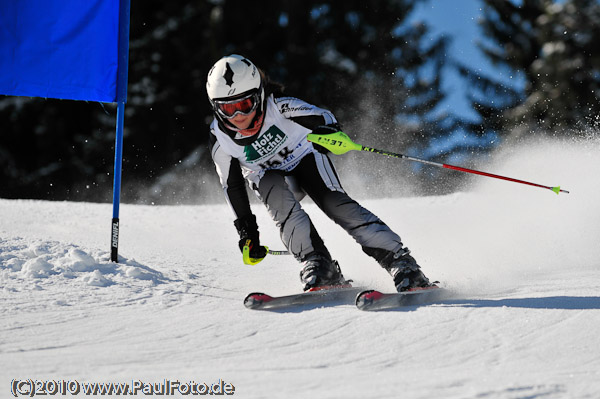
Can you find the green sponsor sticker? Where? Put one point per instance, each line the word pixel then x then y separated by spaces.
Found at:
pixel 266 145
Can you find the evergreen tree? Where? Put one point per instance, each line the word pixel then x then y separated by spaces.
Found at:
pixel 360 59
pixel 552 45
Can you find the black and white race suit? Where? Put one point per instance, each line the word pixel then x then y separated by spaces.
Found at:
pixel 281 166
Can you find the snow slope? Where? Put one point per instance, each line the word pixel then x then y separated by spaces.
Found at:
pixel 522 263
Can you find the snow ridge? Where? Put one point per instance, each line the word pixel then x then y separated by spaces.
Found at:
pixel 42 260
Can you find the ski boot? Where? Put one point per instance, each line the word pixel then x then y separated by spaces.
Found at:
pixel 405 271
pixel 319 270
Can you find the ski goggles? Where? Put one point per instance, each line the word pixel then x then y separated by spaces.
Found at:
pixel 245 105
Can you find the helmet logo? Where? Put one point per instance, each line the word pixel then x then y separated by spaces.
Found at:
pixel 228 75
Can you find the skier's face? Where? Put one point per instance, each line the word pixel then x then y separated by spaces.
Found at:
pixel 242 121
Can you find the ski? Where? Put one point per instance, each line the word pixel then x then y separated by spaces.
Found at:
pixel 374 300
pixel 324 294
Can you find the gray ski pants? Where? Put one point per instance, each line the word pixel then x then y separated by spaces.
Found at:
pixel 281 193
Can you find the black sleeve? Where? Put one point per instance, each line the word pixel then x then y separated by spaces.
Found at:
pixel 310 121
pixel 236 191
pixel 230 175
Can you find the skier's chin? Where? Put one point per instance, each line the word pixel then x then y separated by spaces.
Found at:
pixel 251 131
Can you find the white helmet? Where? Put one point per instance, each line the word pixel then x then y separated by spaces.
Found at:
pixel 234 78
pixel 231 76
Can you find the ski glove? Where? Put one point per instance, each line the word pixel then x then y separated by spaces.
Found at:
pixel 324 130
pixel 248 231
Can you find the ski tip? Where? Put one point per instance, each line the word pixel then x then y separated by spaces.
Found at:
pixel 366 298
pixel 373 300
pixel 255 300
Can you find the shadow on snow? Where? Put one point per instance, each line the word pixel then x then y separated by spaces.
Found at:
pixel 553 302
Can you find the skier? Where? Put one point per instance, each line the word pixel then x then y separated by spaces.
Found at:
pixel 260 135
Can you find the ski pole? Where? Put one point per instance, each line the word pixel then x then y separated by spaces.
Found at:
pixel 253 261
pixel 339 143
